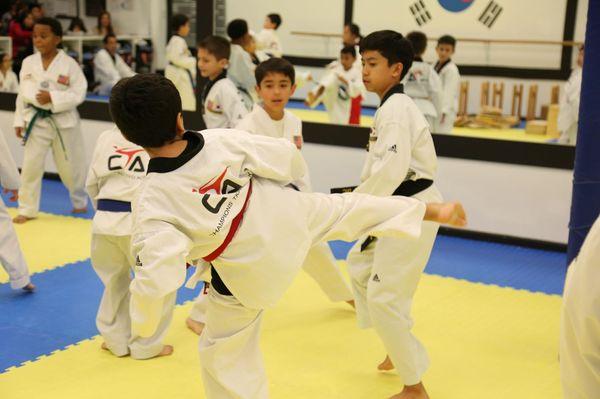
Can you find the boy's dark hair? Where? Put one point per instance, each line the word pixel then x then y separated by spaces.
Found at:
pixel 275 19
pixel 354 29
pixel 418 41
pixel 275 65
pixel 217 46
pixel 54 25
pixel 447 39
pixel 75 22
pixel 35 5
pixel 349 50
pixel 237 29
pixel 108 36
pixel 177 21
pixel 392 46
pixel 145 108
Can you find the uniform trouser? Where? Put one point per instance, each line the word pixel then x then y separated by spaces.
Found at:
pixel 183 83
pixel 112 261
pixel 231 337
pixel 384 279
pixel 446 126
pixel 71 169
pixel 11 256
pixel 431 120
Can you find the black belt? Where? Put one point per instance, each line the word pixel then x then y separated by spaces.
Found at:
pixel 217 283
pixel 109 205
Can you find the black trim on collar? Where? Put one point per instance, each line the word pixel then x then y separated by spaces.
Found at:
pixel 209 86
pixel 418 59
pixel 398 89
pixel 195 143
pixel 438 67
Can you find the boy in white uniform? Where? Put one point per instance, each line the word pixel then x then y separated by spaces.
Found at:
pixel 181 68
pixel 222 196
pixel 109 67
pixel 222 106
pixel 267 39
pixel 568 115
pixel 422 83
pixel 275 86
pixel 116 171
pixel 52 86
pixel 241 68
pixel 450 77
pixel 580 322
pixel 8 79
pixel 11 257
pixel 341 84
pixel 401 160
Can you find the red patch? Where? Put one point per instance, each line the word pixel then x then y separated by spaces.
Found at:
pixel 63 80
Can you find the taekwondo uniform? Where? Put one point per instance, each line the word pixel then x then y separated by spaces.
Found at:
pixel 385 272
pixel 222 105
pixel 117 169
pixel 181 70
pixel 108 70
pixel 580 322
pixel 11 256
pixel 268 41
pixel 224 200
pixel 241 72
pixel 424 86
pixel 337 96
pixel 568 115
pixel 9 82
pixel 450 78
pixel 51 126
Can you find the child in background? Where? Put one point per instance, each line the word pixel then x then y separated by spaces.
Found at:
pixel 181 69
pixel 422 83
pixel 241 68
pixel 450 77
pixel 109 67
pixel 52 86
pixel 568 115
pixel 222 106
pixel 8 79
pixel 267 39
pixel 338 87
pixel 11 257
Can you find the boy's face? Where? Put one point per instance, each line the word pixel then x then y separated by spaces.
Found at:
pixel 268 24
pixel 378 75
pixel 444 51
pixel 347 60
pixel 44 40
pixel 250 45
pixel 184 30
pixel 111 45
pixel 275 90
pixel 208 64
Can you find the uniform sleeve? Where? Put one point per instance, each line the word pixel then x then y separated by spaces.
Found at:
pixel 66 100
pixel 241 69
pixel 91 183
pixel 107 67
pixel 14 84
pixel 9 174
pixel 450 91
pixel 18 120
pixel 435 90
pixel 177 55
pixel 233 107
pixel 391 159
pixel 160 270
pixel 355 86
pixel 124 70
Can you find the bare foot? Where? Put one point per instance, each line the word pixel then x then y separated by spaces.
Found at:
pixel 386 365
pixel 20 219
pixel 412 392
pixel 29 288
pixel 194 325
pixel 453 214
pixel 104 346
pixel 166 351
pixel 79 210
pixel 351 303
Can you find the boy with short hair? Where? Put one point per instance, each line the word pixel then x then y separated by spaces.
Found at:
pixel 267 38
pixel 222 196
pixel 275 80
pixel 181 68
pixel 450 77
pixel 422 82
pixel 401 160
pixel 338 87
pixel 241 68
pixel 109 67
pixel 222 106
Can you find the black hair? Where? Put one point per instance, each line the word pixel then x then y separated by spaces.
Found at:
pixel 217 46
pixel 418 41
pixel 274 65
pixel 237 29
pixel 108 36
pixel 35 5
pixel 145 107
pixel 21 18
pixel 275 19
pixel 447 39
pixel 99 24
pixel 392 46
pixel 354 29
pixel 177 21
pixel 349 50
pixel 54 25
pixel 77 22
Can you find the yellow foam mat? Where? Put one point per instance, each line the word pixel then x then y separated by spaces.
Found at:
pixel 484 342
pixel 52 240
